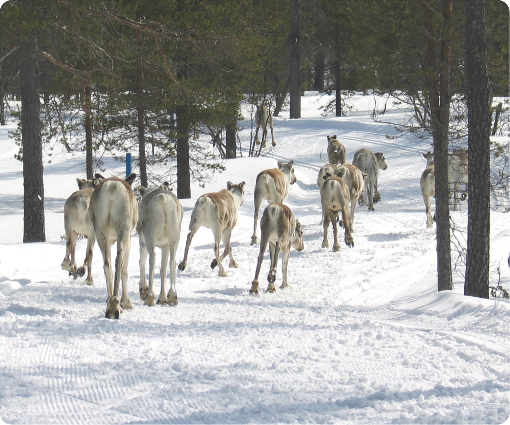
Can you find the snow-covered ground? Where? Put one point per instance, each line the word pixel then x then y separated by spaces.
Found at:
pixel 362 336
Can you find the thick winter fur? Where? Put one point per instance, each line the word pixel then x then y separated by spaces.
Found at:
pixel 272 185
pixel 428 191
pixel 457 173
pixel 326 170
pixel 159 225
pixel 281 230
pixel 335 198
pixel 355 181
pixel 217 211
pixel 369 163
pixel 336 151
pixel 263 118
pixel 114 214
pixel 77 222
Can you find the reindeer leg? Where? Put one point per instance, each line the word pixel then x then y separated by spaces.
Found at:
pixel 88 258
pixel 258 201
pixel 325 224
pixel 172 292
pixel 274 251
pixel 142 285
pixel 150 299
pixel 69 262
pixel 126 246
pixel 255 284
pixel 227 233
pixel 217 261
pixel 165 255
pixel 183 263
pixel 336 245
pixel 285 263
pixel 272 137
pixel 348 237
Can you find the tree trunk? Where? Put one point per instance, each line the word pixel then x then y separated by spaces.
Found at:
pixel 295 59
pixel 338 78
pixel 437 80
pixel 33 197
pixel 140 111
pixel 320 66
pixel 280 98
pixel 89 158
pixel 478 242
pixel 183 171
pixel 231 141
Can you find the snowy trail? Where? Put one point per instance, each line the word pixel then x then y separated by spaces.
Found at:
pixel 362 336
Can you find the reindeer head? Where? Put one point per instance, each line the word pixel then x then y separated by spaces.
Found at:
pixel 288 169
pixel 381 160
pixel 297 240
pixel 237 190
pixel 84 184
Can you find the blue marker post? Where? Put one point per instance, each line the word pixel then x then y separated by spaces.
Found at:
pixel 128 164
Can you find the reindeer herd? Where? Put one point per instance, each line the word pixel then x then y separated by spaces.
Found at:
pixel 105 209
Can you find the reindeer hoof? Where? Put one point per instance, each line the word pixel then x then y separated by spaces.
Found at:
pixel 214 263
pixel 371 207
pixel 377 198
pixel 150 300
pixel 113 310
pixel 284 285
pixel 182 265
pixel 361 202
pixel 336 248
pixel 341 223
pixel 233 265
pixel 80 271
pixel 325 244
pixel 171 300
pixel 271 277
pixel 270 288
pixel 349 242
pixel 254 287
pixel 274 144
pixel 143 292
pixel 254 240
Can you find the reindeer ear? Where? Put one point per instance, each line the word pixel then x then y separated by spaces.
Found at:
pixel 334 137
pixel 326 176
pixel 99 176
pixel 80 182
pixel 166 184
pixel 241 185
pixel 130 179
pixel 280 164
pixel 290 163
pixel 142 190
pixel 229 185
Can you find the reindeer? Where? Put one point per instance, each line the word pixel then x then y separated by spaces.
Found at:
pixel 369 163
pixel 263 117
pixel 272 185
pixel 114 214
pixel 428 191
pixel 281 230
pixel 355 181
pixel 217 211
pixel 457 173
pixel 335 198
pixel 159 225
pixel 336 151
pixel 77 222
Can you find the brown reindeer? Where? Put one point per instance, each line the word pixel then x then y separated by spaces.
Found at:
pixel 77 222
pixel 281 230
pixel 335 198
pixel 114 213
pixel 217 211
pixel 336 151
pixel 272 185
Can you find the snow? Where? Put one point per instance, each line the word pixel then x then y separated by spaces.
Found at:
pixel 361 336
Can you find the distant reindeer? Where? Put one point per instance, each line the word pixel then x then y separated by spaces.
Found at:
pixel 77 222
pixel 159 225
pixel 336 151
pixel 370 163
pixel 263 118
pixel 281 230
pixel 217 211
pixel 272 185
pixel 114 213
pixel 457 173
pixel 428 191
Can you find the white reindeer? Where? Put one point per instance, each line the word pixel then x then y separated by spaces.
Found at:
pixel 335 198
pixel 369 163
pixel 217 211
pixel 159 225
pixel 77 222
pixel 263 118
pixel 336 151
pixel 281 230
pixel 428 191
pixel 272 185
pixel 114 214
pixel 457 173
